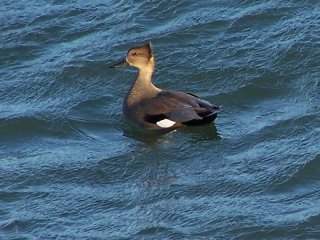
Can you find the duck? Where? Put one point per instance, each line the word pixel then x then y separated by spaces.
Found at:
pixel 151 108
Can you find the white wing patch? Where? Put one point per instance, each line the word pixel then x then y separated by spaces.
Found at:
pixel 165 123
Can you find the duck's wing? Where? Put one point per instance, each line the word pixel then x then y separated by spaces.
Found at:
pixel 169 108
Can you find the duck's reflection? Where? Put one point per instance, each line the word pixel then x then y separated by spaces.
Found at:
pixel 197 133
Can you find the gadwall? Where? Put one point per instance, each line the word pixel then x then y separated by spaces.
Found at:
pixel 152 108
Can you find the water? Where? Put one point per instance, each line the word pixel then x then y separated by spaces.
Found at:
pixel 72 168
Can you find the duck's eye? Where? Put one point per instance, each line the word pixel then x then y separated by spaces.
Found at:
pixel 135 54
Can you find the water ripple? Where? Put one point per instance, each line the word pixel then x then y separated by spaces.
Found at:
pixel 67 154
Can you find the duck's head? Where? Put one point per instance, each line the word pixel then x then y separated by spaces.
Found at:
pixel 140 57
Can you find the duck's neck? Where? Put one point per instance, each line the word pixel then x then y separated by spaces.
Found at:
pixel 142 88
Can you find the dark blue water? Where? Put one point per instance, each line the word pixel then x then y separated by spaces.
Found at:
pixel 72 168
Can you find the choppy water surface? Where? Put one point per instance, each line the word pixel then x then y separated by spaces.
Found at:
pixel 72 168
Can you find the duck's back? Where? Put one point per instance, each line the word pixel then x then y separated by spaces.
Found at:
pixel 170 109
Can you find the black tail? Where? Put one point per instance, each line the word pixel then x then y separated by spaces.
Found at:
pixel 207 117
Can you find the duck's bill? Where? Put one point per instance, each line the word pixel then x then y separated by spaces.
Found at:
pixel 122 63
